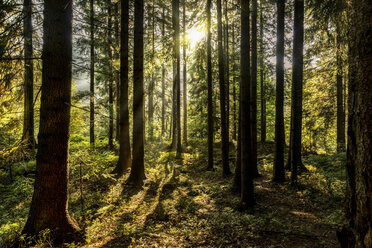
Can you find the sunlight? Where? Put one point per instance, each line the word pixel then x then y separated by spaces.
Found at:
pixel 194 35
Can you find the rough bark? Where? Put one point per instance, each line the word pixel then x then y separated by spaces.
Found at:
pixel 358 229
pixel 254 88
pixel 221 72
pixel 111 78
pixel 28 122
pixel 49 205
pixel 138 168
pixel 91 126
pixel 227 69
pixel 262 69
pixel 125 158
pixel 117 72
pixel 279 175
pixel 210 88
pixel 247 172
pixel 339 98
pixel 297 77
pixel 184 90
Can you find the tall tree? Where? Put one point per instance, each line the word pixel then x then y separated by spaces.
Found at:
pixel 111 78
pixel 279 174
pixel 358 230
pixel 176 79
pixel 49 205
pixel 91 132
pixel 210 88
pixel 247 170
pixel 138 168
pixel 339 98
pixel 163 127
pixel 184 75
pixel 152 81
pixel 125 158
pixel 117 72
pixel 263 93
pixel 221 72
pixel 254 87
pixel 227 69
pixel 234 80
pixel 297 77
pixel 28 123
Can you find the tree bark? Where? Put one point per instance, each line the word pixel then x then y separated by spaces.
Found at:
pixel 358 229
pixel 91 130
pixel 163 128
pixel 111 78
pixel 279 175
pixel 117 72
pixel 184 76
pixel 221 68
pixel 28 123
pixel 152 81
pixel 49 205
pixel 262 70
pixel 210 88
pixel 339 99
pixel 247 170
pixel 234 83
pixel 125 158
pixel 297 77
pixel 138 168
pixel 254 88
pixel 227 69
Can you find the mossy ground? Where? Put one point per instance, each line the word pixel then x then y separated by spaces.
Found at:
pixel 183 205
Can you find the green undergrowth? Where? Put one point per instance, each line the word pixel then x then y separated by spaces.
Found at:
pixel 183 205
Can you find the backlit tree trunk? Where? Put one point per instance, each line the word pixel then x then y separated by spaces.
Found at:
pixel 50 198
pixel 262 70
pixel 340 104
pixel 184 76
pixel 163 127
pixel 111 78
pixel 91 129
pixel 279 174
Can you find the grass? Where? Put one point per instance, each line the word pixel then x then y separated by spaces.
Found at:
pixel 183 205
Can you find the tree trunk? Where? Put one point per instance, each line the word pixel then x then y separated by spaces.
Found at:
pixel 263 93
pixel 91 130
pixel 138 168
pixel 163 79
pixel 125 158
pixel 152 81
pixel 297 77
pixel 210 88
pixel 221 68
pixel 254 88
pixel 111 78
pixel 227 69
pixel 237 183
pixel 234 83
pixel 117 73
pixel 49 205
pixel 279 174
pixel 340 104
pixel 184 77
pixel 247 169
pixel 358 229
pixel 28 123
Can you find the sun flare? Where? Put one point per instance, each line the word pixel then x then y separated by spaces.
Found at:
pixel 194 35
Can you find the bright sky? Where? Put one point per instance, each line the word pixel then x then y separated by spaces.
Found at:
pixel 194 35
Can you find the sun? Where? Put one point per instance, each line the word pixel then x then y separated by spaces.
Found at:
pixel 194 35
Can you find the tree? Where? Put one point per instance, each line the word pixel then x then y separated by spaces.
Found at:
pixel 358 230
pixel 184 76
pixel 163 79
pixel 125 159
pixel 297 77
pixel 138 168
pixel 263 90
pixel 210 88
pixel 279 175
pixel 254 87
pixel 28 123
pixel 152 80
pixel 339 98
pixel 247 172
pixel 91 132
pixel 49 205
pixel 221 71
pixel 117 72
pixel 110 78
pixel 227 69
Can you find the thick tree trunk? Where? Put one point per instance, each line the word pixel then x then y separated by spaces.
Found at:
pixel 50 198
pixel 184 76
pixel 279 175
pixel 339 99
pixel 210 88
pixel 297 77
pixel 358 229
pixel 263 93
pixel 247 169
pixel 125 158
pixel 91 129
pixel 111 78
pixel 221 69
pixel 138 168
pixel 254 87
pixel 28 123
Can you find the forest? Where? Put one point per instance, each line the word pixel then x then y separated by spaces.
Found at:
pixel 186 123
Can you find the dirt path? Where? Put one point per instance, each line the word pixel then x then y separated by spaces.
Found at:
pixel 185 206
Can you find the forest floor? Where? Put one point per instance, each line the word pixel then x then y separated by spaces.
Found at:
pixel 183 205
